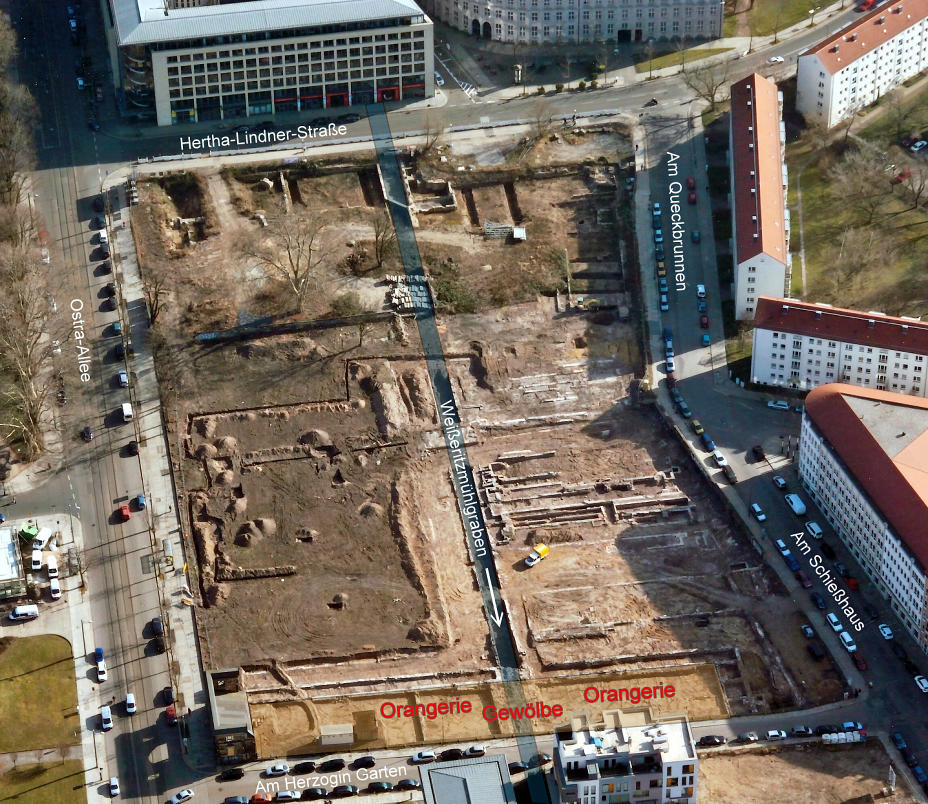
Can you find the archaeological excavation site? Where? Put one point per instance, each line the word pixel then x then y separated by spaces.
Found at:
pixel 331 561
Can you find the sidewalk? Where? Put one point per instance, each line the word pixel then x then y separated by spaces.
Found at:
pixel 164 528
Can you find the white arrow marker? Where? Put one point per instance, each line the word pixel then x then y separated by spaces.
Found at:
pixel 497 616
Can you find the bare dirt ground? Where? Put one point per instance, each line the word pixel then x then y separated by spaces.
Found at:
pixel 316 487
pixel 808 774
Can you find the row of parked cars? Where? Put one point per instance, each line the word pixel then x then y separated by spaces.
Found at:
pixel 776 735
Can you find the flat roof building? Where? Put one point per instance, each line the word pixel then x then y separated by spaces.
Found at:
pixel 863 60
pixel 630 759
pixel 195 60
pixel 233 732
pixel 760 220
pixel 863 457
pixel 803 345
pixel 467 781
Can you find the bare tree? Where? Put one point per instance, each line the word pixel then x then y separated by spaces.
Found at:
pixel 293 252
pixel 363 327
pixel 154 285
pixel 915 182
pixel 384 236
pixel 846 123
pixel 542 119
pixel 431 138
pixel 899 112
pixel 17 118
pixel 708 82
pixel 859 181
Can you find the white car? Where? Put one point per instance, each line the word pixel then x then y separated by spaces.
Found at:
pixel 439 80
pixel 779 404
pixel 106 718
pixel 665 303
pixel 720 460
pixel 922 683
pixel 886 631
pixel 918 146
pixel 103 237
pixel 130 704
pixel 114 787
pixel 794 501
pixel 758 512
pixel 475 751
pixel 183 795
pixel 102 675
pixel 669 365
pixel 779 482
pixel 776 734
pixel 422 757
pixel 287 795
pixel 280 769
pixel 54 588
pixel 80 83
pixel 775 60
pixel 700 291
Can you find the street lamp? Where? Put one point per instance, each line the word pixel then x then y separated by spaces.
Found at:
pixel 812 15
pixel 650 59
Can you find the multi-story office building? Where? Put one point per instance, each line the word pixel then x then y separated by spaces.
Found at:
pixel 632 760
pixel 195 60
pixel 854 66
pixel 802 345
pixel 607 21
pixel 760 220
pixel 862 459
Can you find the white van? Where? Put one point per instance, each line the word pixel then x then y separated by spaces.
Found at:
pixel 834 622
pixel 52 563
pixel 24 612
pixel 815 530
pixel 43 537
pixel 796 504
pixel 126 412
pixel 36 560
pixel 848 641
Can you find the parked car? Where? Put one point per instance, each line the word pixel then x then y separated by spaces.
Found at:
pixel 800 731
pixel 364 762
pixel 775 60
pixel 517 767
pixel 114 787
pixel 708 442
pixel 779 482
pixel 748 737
pixel 885 631
pixel 694 236
pixel 922 683
pixel 183 795
pixel 475 751
pixel 696 426
pixel 807 631
pixel 711 739
pixel 303 767
pixel 124 513
pixel 106 718
pixel 287 795
pixel 898 741
pixel 691 197
pixel 758 512
pixel 87 434
pixel 314 793
pixel 664 303
pixel 423 757
pixel 451 754
pixel 778 404
pixel 914 148
pixel 131 707
pixel 704 321
pixel 826 728
pixel 408 784
pixel 379 787
pixel 231 774
pixel 720 459
pixel 859 661
pixel 818 600
pixel 685 411
pixel 278 769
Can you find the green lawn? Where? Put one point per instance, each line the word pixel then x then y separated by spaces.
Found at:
pixel 769 16
pixel 895 283
pixel 44 784
pixel 675 57
pixel 908 116
pixel 37 688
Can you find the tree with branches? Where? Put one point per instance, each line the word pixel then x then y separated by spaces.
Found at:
pixel 154 285
pixel 860 182
pixel 292 252
pixel 709 82
pixel 431 137
pixel 384 236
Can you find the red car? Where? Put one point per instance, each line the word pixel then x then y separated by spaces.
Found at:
pixel 690 183
pixel 704 321
pixel 859 660
pixel 124 512
pixel 902 176
pixel 691 198
pixel 803 579
pixel 853 583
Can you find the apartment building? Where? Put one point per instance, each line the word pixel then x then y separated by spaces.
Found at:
pixel 863 60
pixel 862 458
pixel 803 345
pixel 186 61
pixel 606 21
pixel 632 759
pixel 760 219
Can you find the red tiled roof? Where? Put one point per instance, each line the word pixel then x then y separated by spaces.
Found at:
pixel 896 486
pixel 839 324
pixel 867 33
pixel 756 146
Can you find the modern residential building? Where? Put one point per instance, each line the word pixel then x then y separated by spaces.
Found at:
pixel 195 60
pixel 630 759
pixel 606 21
pixel 803 345
pixel 863 457
pixel 760 219
pixel 863 60
pixel 467 781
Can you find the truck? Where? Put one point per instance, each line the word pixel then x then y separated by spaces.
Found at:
pixel 540 551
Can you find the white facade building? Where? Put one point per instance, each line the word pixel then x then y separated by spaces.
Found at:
pixel 854 66
pixel 863 457
pixel 189 61
pixel 802 345
pixel 607 21
pixel 634 760
pixel 760 219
